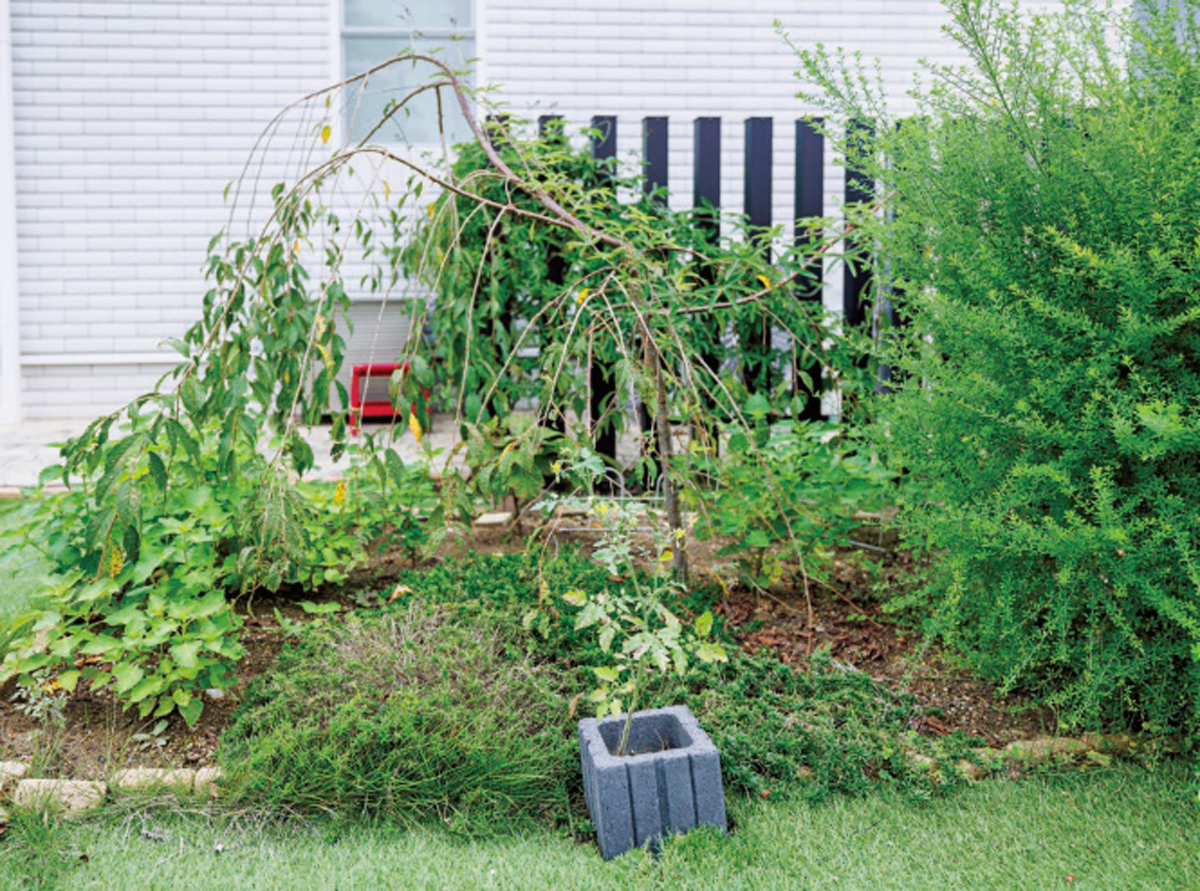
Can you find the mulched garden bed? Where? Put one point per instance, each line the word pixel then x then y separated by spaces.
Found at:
pixel 845 617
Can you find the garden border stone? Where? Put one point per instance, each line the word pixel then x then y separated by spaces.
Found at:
pixel 670 784
pixel 71 796
pixel 10 773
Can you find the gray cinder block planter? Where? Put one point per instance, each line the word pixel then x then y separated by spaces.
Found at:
pixel 670 781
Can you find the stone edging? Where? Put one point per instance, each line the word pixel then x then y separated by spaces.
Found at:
pixel 74 797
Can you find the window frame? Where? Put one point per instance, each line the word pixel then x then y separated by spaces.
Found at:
pixel 344 31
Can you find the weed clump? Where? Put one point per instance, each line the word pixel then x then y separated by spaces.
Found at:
pixel 407 715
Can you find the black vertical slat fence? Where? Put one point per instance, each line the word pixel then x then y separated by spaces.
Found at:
pixel 655 155
pixel 810 202
pixel 706 194
pixel 858 191
pixel 550 131
pixel 757 183
pixel 601 375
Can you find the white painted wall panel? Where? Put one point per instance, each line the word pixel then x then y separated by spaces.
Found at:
pixel 130 119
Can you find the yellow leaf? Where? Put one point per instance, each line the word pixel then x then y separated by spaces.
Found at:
pixel 415 426
pixel 387 190
pixel 324 351
pixel 766 282
pixel 325 131
pixel 429 210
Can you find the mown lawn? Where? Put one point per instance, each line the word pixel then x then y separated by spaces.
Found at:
pixel 1123 827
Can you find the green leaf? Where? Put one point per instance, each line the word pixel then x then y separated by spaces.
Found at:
pixel 606 674
pixel 704 624
pixel 127 676
pixel 758 539
pixel 191 711
pixel 575 597
pixel 319 609
pixel 146 688
pixel 100 645
pixel 158 471
pixel 69 679
pixel 757 405
pixel 186 655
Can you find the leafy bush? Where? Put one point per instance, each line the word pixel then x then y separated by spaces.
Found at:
pixel 405 715
pixel 1043 239
pixel 786 490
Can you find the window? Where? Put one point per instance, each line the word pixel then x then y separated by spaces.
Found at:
pixel 376 30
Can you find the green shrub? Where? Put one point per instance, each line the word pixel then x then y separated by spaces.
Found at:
pixel 1043 239
pixel 406 715
pixel 786 491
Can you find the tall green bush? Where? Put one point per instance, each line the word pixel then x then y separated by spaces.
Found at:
pixel 1044 241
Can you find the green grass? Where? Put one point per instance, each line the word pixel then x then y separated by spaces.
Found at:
pixel 23 571
pixel 1124 827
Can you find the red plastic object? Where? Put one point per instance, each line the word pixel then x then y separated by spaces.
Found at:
pixel 376 408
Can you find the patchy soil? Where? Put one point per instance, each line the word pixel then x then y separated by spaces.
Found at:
pixel 840 613
pixel 851 623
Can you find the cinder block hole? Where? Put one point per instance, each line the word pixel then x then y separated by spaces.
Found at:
pixel 647 733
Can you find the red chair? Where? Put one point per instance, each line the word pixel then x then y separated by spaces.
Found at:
pixel 378 408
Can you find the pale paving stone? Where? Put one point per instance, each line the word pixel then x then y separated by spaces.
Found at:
pixel 10 772
pixel 70 796
pixel 142 779
pixel 206 780
pixel 499 518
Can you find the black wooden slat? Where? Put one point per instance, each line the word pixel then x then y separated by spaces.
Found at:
pixel 810 202
pixel 601 378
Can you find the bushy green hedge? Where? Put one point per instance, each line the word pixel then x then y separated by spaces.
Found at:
pixel 1045 241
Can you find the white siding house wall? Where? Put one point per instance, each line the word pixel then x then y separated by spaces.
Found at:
pixel 131 117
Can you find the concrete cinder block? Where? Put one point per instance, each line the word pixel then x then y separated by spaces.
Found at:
pixel 669 783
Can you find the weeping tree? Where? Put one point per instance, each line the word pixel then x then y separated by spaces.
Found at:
pixel 189 498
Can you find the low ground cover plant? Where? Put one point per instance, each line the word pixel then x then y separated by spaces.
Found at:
pixel 445 705
pixel 411 714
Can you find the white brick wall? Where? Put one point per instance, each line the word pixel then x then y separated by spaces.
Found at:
pixel 130 118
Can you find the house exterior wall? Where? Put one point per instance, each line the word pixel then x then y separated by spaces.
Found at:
pixel 130 118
